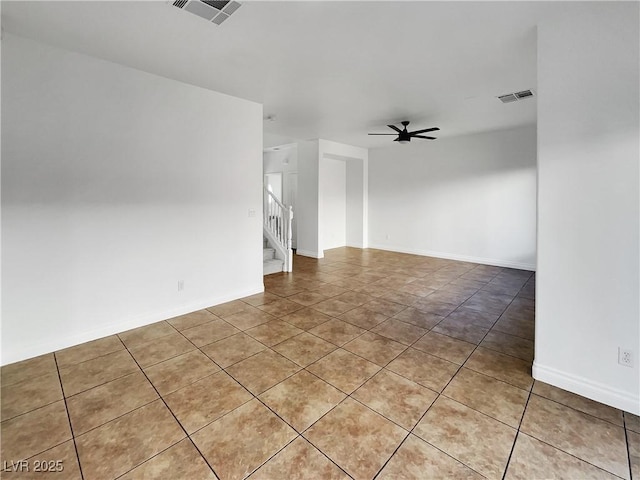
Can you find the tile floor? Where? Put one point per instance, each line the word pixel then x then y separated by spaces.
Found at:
pixel 366 364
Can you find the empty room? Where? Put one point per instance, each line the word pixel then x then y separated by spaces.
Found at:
pixel 320 240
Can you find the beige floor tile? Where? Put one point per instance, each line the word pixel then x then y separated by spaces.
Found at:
pixel 145 334
pixel 262 371
pixel 225 309
pixel 416 317
pixel 209 332
pixel 306 319
pixel 182 457
pixel 417 460
pixel 83 376
pixel 333 307
pixel 299 461
pixel 399 331
pixel 97 406
pixel 61 462
pixel 302 399
pixel 304 349
pixel 232 349
pixel 509 345
pixel 356 438
pixel 126 442
pixel 231 445
pixel 34 432
pixel 206 400
pixel 488 302
pixel 33 367
pixel 427 370
pixel 329 290
pixel 249 318
pixel 88 350
pixel 355 298
pixel 396 398
pixel 274 332
pixel 406 296
pixel 192 319
pixel 179 371
pixel 160 349
pixel 577 402
pixel 307 298
pixel 478 441
pixel 337 331
pixel 474 317
pixel 344 370
pixel 588 438
pixel 533 459
pixel 29 394
pixel 443 346
pixel 281 307
pixel 503 367
pixel 632 422
pixel 375 348
pixel 385 307
pixel 363 318
pixel 432 306
pixel 260 299
pixel 524 328
pixel 461 330
pixel 492 397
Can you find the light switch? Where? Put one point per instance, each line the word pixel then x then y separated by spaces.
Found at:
pixel 252 212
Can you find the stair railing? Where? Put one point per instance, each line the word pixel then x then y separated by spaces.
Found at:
pixel 277 220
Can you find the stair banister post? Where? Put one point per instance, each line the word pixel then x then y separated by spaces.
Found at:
pixel 289 239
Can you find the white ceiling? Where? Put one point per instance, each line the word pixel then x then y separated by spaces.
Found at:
pixel 333 70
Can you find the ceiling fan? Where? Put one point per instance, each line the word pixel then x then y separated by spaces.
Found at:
pixel 404 136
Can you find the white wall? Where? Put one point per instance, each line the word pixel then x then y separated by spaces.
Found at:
pixel 308 199
pixel 356 203
pixel 469 198
pixel 115 185
pixel 311 190
pixel 333 223
pixel 588 203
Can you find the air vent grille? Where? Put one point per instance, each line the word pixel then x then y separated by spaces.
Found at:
pixel 514 97
pixel 215 11
pixel 524 94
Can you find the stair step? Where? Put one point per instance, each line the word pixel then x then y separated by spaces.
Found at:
pixel 268 253
pixel 272 266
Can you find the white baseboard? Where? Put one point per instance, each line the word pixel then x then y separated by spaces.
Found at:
pixel 454 256
pixel 52 345
pixel 599 392
pixel 309 253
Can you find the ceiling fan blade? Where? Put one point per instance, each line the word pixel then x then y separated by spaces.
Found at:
pixel 383 134
pixel 394 128
pixel 425 130
pixel 422 136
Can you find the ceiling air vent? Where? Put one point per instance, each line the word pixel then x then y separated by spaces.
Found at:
pixel 514 97
pixel 524 94
pixel 215 11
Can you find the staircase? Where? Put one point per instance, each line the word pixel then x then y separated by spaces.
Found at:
pixel 276 230
pixel 270 264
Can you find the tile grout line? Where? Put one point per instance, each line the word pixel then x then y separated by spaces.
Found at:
pixel 626 439
pixel 66 407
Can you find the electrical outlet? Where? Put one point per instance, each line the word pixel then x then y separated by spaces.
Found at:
pixel 252 212
pixel 625 357
pixel 387 236
pixel 180 285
